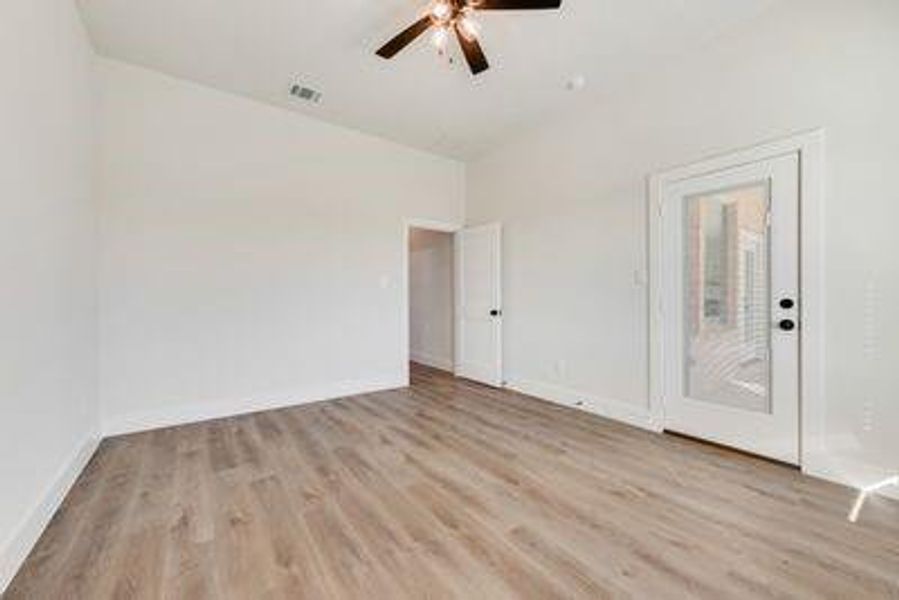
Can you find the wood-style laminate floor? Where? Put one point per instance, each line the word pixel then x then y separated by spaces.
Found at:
pixel 450 490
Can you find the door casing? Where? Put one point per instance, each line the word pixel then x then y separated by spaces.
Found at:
pixel 810 148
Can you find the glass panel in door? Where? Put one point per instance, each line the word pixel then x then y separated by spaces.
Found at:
pixel 727 290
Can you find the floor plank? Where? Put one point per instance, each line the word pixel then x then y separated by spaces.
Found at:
pixel 449 489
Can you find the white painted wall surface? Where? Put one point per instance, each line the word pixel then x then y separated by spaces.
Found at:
pixel 572 197
pixel 250 257
pixel 48 406
pixel 431 298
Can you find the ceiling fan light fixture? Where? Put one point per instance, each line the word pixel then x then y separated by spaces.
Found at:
pixel 440 38
pixel 441 11
pixel 454 19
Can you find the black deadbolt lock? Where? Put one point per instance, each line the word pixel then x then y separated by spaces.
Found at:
pixel 494 313
pixel 787 303
pixel 787 325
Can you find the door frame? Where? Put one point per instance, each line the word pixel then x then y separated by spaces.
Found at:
pixel 405 321
pixel 810 148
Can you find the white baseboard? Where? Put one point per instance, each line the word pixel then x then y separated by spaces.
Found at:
pixel 617 410
pixel 852 473
pixel 204 411
pixel 432 360
pixel 16 550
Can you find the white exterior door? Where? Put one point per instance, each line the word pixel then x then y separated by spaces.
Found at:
pixel 730 307
pixel 479 318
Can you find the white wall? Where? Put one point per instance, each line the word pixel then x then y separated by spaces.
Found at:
pixel 48 409
pixel 250 256
pixel 431 298
pixel 572 196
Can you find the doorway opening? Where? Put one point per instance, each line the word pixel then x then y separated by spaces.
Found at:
pixel 431 298
pixel 453 301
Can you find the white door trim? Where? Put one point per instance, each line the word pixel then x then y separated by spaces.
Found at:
pixel 406 325
pixel 810 147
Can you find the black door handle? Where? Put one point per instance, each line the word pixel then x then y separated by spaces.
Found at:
pixel 787 325
pixel 495 313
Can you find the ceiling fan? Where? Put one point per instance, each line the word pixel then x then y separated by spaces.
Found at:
pixel 447 16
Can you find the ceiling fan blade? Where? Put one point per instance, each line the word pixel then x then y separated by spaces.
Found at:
pixel 474 55
pixel 406 37
pixel 515 4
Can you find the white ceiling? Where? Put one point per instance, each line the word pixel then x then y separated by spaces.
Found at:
pixel 258 47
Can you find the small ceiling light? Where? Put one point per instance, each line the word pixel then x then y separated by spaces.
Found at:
pixel 440 38
pixel 441 11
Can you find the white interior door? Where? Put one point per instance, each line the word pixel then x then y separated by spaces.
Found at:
pixel 730 307
pixel 479 318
